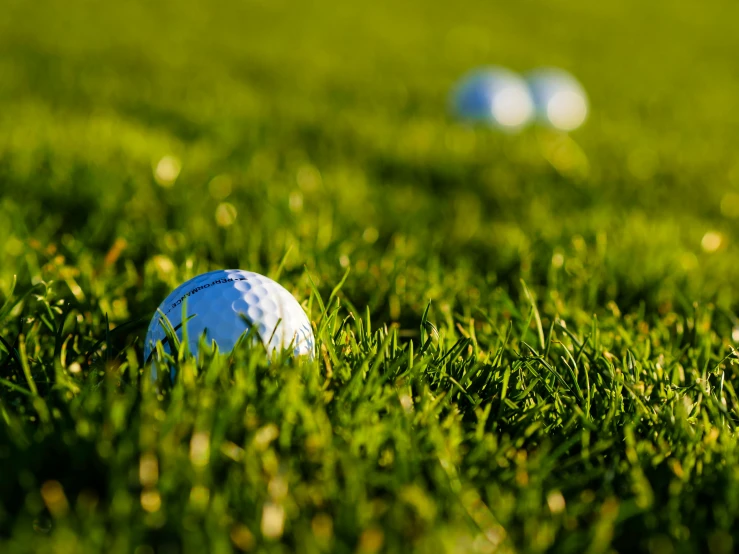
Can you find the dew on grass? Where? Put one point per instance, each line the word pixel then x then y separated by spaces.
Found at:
pixel 322 526
pixel 242 537
pixel 370 235
pixel 273 520
pixel 712 241
pixel 296 201
pixel 54 498
pixel 148 470
pixel 226 214
pixel 200 449
pixel 167 170
pixel 220 187
pixel 151 500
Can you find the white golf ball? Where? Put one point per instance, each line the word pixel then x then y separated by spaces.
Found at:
pixel 560 100
pixel 494 95
pixel 224 305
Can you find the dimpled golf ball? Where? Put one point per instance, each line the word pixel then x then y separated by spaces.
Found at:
pixel 226 304
pixel 560 100
pixel 495 96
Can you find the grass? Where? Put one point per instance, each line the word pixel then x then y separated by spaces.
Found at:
pixel 526 342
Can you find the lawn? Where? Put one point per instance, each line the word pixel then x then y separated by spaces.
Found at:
pixel 525 342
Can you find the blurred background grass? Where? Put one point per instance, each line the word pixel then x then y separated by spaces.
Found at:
pixel 142 143
pixel 330 124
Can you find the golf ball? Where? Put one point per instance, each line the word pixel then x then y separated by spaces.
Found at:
pixel 560 100
pixel 224 305
pixel 493 95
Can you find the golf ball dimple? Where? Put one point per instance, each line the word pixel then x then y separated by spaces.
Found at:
pixel 560 100
pixel 223 305
pixel 494 95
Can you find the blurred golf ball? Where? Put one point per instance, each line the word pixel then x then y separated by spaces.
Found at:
pixel 560 100
pixel 226 304
pixel 493 95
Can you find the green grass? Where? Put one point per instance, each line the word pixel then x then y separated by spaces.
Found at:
pixel 533 349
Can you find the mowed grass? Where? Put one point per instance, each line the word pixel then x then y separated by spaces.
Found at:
pixel 525 342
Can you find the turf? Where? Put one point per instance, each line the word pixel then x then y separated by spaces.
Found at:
pixel 525 342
